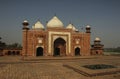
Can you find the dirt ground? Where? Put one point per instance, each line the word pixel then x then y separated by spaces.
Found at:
pixel 17 67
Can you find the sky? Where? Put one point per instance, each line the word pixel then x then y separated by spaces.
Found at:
pixel 102 15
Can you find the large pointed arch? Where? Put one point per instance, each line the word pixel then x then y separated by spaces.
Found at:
pixel 59 47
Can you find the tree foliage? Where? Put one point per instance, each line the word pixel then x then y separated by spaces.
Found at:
pixel 112 49
pixel 14 45
pixel 2 44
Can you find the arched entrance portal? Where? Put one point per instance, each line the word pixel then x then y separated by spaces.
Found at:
pixel 39 51
pixel 59 47
pixel 77 51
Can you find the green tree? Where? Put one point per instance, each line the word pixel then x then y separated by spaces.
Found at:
pixel 2 44
pixel 14 45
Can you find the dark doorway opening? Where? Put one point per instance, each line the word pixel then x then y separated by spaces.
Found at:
pixel 57 52
pixel 39 51
pixel 77 51
pixel 96 52
pixel 59 47
pixel 13 53
pixel 9 52
pixel 18 53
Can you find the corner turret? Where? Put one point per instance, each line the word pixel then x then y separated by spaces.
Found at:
pixel 88 28
pixel 25 25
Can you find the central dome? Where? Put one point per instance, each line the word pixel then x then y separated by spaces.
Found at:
pixel 54 22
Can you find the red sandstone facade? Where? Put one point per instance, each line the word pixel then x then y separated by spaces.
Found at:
pixel 55 40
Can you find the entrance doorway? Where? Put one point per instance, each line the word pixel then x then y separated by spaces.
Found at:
pixel 59 47
pixel 39 51
pixel 57 52
pixel 77 51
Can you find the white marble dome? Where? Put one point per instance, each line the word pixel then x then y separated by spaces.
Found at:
pixel 38 25
pixel 97 39
pixel 71 26
pixel 54 22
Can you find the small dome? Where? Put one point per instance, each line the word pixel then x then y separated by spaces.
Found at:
pixel 88 26
pixel 54 22
pixel 71 26
pixel 38 25
pixel 97 39
pixel 25 21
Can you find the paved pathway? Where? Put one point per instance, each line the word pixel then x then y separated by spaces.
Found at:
pixel 51 69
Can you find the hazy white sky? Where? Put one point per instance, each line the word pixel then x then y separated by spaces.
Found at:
pixel 102 15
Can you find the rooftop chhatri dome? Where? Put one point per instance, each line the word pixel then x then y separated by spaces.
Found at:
pixel 71 26
pixel 25 24
pixel 38 25
pixel 25 21
pixel 97 39
pixel 88 26
pixel 55 22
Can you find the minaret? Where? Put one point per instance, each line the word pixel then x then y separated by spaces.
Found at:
pixel 25 37
pixel 25 25
pixel 86 41
pixel 88 28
